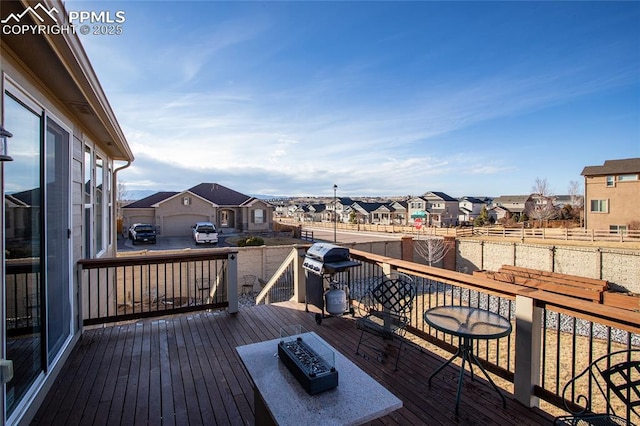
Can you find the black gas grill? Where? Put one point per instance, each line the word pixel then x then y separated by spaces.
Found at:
pixel 321 263
pixel 325 258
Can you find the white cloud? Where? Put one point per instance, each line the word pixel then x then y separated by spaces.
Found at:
pixel 338 122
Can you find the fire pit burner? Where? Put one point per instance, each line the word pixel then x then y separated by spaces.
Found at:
pixel 311 370
pixel 307 357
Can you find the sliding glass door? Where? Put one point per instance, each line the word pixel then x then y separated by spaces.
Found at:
pixel 57 238
pixel 38 307
pixel 23 250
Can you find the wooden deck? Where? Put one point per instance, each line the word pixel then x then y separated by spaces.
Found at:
pixel 184 370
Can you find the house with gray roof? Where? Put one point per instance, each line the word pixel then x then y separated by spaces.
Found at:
pixel 174 213
pixel 442 208
pixel 383 213
pixel 469 208
pixel 513 206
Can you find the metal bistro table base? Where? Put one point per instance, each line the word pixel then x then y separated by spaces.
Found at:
pixel 468 324
pixel 465 351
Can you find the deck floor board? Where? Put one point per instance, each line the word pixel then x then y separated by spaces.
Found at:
pixel 184 369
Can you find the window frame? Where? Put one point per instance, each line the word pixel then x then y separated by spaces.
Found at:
pixel 629 177
pixel 259 216
pixel 601 202
pixel 91 202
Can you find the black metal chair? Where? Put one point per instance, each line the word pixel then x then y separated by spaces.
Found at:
pixel 385 310
pixel 614 376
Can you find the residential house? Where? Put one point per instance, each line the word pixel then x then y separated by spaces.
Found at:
pixel 67 147
pixel 499 213
pixel 364 211
pixel 174 213
pixel 398 212
pixel 442 208
pixel 512 206
pixel 302 213
pixel 280 209
pixel 340 207
pixel 562 200
pixel 318 212
pixel 416 205
pixel 611 194
pixel 469 209
pixel 388 213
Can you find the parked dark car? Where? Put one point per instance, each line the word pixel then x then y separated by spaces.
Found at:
pixel 142 232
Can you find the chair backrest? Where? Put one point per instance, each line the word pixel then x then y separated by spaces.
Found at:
pixel 617 373
pixel 395 294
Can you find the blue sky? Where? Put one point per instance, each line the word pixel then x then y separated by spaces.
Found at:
pixel 380 98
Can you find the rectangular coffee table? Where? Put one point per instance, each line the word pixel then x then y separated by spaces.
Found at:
pixel 280 399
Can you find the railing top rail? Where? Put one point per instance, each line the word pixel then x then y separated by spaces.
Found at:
pixel 623 319
pixel 212 254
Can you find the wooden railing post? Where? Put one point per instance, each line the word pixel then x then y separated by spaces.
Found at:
pixel 232 282
pixel 299 278
pixel 527 347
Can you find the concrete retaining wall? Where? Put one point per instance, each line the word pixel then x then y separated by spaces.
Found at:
pixel 620 267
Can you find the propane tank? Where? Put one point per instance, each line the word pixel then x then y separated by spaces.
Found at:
pixel 336 300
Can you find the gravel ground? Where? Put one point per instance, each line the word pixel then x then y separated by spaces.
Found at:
pixel 246 300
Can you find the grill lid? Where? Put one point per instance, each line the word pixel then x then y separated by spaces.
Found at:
pixel 325 252
pixel 325 258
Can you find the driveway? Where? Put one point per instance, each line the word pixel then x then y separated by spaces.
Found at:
pixel 168 243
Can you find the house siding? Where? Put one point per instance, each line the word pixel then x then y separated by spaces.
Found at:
pixel 23 75
pixel 174 218
pixel 622 202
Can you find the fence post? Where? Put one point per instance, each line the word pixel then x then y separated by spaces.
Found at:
pixel 407 248
pixel 528 347
pixel 232 281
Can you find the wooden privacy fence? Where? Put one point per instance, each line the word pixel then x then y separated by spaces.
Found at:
pixel 566 234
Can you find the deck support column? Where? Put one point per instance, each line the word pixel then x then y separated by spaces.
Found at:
pixel 528 347
pixel 232 282
pixel 299 278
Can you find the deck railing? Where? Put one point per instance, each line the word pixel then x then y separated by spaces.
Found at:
pixel 124 288
pixel 22 296
pixel 282 285
pixel 555 336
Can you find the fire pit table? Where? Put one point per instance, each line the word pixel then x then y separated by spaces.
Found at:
pixel 357 399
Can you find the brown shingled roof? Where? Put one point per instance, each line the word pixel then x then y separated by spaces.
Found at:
pixel 149 201
pixel 614 167
pixel 218 194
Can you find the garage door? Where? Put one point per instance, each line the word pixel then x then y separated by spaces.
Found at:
pixel 178 226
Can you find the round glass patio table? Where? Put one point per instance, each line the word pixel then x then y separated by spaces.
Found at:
pixel 468 324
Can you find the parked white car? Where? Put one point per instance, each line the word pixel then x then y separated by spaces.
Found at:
pixel 205 232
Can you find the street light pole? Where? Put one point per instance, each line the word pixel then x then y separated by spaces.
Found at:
pixel 335 213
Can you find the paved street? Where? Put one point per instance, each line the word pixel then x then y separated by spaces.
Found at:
pixel 325 234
